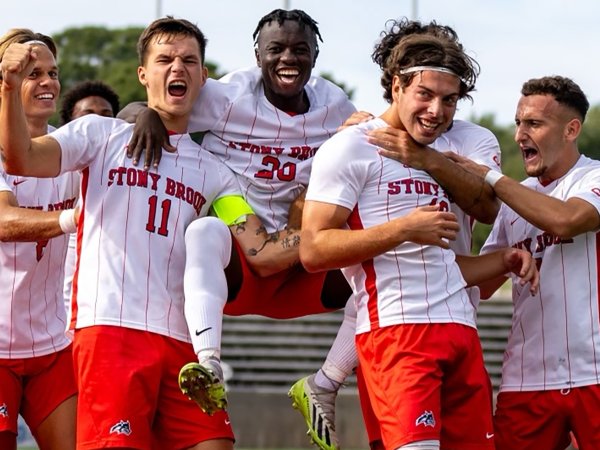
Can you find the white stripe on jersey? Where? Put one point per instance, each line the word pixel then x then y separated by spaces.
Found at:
pixel 269 150
pixel 132 255
pixel 411 283
pixel 32 313
pixel 555 337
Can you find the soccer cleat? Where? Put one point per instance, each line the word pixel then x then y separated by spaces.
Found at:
pixel 317 406
pixel 203 383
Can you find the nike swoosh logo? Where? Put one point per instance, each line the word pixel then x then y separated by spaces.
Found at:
pixel 489 435
pixel 227 422
pixel 511 223
pixel 198 333
pixel 17 182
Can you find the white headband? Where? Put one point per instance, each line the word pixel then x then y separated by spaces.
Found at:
pixel 434 69
pixel 35 41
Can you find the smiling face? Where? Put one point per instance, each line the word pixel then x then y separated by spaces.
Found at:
pixel 286 55
pixel 173 75
pixel 546 132
pixel 425 108
pixel 41 88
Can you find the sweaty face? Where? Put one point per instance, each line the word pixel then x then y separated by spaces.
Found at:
pixel 541 124
pixel 286 54
pixel 173 74
pixel 92 105
pixel 427 105
pixel 41 88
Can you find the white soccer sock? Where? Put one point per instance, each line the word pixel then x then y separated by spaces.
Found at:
pixel 342 358
pixel 421 445
pixel 208 251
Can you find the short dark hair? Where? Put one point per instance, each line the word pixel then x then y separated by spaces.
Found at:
pixel 564 90
pixel 408 43
pixel 85 89
pixel 296 15
pixel 23 35
pixel 169 26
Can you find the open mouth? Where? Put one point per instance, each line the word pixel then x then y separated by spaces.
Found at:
pixel 288 76
pixel 45 96
pixel 528 153
pixel 177 88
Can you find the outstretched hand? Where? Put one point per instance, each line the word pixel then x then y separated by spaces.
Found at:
pixel 149 137
pixel 521 263
pixel 427 225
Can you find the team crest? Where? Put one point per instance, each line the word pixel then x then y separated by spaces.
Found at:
pixel 122 427
pixel 3 410
pixel 426 418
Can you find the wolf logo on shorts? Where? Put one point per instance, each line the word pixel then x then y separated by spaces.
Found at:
pixel 3 410
pixel 122 427
pixel 426 418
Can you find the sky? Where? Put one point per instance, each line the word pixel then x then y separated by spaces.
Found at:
pixel 512 40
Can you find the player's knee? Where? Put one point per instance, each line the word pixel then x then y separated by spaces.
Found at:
pixel 208 236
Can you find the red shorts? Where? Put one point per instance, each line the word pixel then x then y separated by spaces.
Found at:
pixel 284 295
pixel 25 387
pixel 428 382
pixel 129 396
pixel 543 420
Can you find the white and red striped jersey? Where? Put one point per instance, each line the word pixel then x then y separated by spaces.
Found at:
pixel 131 250
pixel 32 312
pixel 270 150
pixel 555 338
pixel 411 283
pixel 481 146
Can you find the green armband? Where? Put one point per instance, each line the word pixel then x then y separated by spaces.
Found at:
pixel 232 209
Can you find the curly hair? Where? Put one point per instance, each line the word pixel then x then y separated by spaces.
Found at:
pixel 564 90
pixel 87 89
pixel 409 43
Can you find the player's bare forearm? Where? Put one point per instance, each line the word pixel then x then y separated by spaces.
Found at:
pixel 476 270
pixel 26 225
pixel 468 190
pixel 326 246
pixel 565 219
pixel 267 253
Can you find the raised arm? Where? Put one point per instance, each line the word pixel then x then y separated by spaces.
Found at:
pixel 21 155
pixel 565 219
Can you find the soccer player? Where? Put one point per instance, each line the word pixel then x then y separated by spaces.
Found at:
pixel 131 336
pixel 416 337
pixel 266 124
pixel 314 396
pixel 550 374
pixel 36 216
